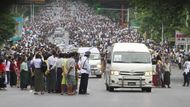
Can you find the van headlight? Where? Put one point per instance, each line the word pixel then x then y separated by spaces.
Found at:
pixel 99 66
pixel 148 73
pixel 114 72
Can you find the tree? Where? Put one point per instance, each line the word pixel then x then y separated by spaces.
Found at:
pixel 7 23
pixel 173 14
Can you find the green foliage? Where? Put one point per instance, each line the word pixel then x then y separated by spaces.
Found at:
pixel 151 14
pixel 7 27
pixel 171 13
pixel 7 23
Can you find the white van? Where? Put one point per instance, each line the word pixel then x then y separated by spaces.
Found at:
pixel 94 60
pixel 128 66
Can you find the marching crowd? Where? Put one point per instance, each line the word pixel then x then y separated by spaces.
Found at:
pixel 54 73
pixel 37 63
pixel 43 67
pixel 85 27
pixel 165 57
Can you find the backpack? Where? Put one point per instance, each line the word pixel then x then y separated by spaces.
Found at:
pixel 44 66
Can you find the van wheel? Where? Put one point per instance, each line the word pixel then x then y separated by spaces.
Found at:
pixel 148 90
pixel 143 89
pixel 111 89
pixel 99 76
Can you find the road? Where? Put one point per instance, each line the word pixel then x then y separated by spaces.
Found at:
pixel 177 96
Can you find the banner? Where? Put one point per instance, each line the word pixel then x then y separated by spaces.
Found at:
pixel 181 38
pixel 19 26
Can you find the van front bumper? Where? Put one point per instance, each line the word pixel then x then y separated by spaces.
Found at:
pixel 96 72
pixel 130 82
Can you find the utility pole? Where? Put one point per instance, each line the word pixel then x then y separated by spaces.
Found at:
pixel 187 18
pixel 122 15
pixel 16 10
pixel 31 12
pixel 151 34
pixel 128 11
pixel 162 33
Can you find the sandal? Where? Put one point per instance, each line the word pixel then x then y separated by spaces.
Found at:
pixel 73 93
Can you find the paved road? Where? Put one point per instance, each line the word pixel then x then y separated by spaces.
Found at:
pixel 177 96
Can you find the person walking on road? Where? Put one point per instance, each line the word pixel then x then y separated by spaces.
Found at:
pixel 85 71
pixel 179 61
pixel 160 71
pixel 167 73
pixel 186 72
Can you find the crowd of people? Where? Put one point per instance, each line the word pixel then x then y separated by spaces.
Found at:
pixel 21 63
pixel 21 66
pixel 85 27
pixel 45 72
pixel 165 57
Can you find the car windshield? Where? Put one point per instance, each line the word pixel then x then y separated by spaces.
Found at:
pixel 131 57
pixel 94 56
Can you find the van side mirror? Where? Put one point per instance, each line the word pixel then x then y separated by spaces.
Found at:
pixel 109 61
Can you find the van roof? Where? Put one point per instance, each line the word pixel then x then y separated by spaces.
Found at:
pixel 91 49
pixel 132 47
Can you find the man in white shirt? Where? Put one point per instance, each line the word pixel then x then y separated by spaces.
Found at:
pixel 51 77
pixel 186 73
pixel 85 71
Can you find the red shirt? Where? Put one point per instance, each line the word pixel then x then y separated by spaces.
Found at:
pixel 2 68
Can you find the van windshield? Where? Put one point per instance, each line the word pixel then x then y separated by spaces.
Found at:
pixel 94 56
pixel 131 57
